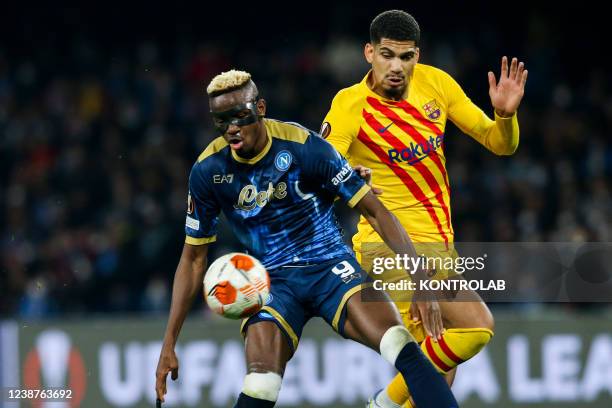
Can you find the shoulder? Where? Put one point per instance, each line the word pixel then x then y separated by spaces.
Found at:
pixel 301 141
pixel 432 75
pixel 347 94
pixel 348 98
pixel 429 71
pixel 342 119
pixel 317 148
pixel 287 131
pixel 214 147
pixel 211 158
pixel 436 83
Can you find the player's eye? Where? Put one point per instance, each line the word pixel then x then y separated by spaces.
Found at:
pixel 387 56
pixel 408 57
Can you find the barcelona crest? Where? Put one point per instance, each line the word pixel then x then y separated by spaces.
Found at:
pixel 432 109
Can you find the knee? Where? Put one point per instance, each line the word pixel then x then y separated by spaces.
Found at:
pixel 485 319
pixel 393 341
pixel 465 343
pixel 479 317
pixel 265 386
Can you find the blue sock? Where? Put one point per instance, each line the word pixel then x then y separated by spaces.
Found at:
pixel 244 401
pixel 427 387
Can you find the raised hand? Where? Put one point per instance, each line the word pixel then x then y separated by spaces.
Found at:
pixel 506 94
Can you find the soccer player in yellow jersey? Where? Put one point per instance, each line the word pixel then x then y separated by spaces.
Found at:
pixel 393 123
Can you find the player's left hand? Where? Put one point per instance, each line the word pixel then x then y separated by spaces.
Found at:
pixel 428 311
pixel 366 174
pixel 506 94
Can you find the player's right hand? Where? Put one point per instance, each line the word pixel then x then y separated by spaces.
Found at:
pixel 168 362
pixel 428 311
pixel 366 174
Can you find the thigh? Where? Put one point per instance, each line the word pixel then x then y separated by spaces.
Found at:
pixel 370 313
pixel 466 314
pixel 267 349
pixel 329 288
pixel 284 309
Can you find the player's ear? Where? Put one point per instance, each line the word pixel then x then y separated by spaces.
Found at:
pixel 417 54
pixel 261 107
pixel 368 51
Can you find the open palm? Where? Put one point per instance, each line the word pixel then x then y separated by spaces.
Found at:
pixel 506 94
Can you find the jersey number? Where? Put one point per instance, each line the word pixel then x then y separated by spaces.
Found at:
pixel 343 269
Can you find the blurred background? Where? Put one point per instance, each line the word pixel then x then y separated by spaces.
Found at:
pixel 103 111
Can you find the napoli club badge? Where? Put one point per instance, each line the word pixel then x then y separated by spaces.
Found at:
pixel 432 110
pixel 283 160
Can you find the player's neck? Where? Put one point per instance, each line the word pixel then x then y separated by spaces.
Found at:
pixel 260 144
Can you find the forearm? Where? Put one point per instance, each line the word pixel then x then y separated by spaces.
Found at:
pixel 386 225
pixel 395 236
pixel 500 136
pixel 503 137
pixel 187 284
pixel 392 232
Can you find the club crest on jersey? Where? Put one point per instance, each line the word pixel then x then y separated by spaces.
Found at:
pixel 432 110
pixel 283 160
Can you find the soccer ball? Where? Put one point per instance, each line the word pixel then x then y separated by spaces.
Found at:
pixel 236 286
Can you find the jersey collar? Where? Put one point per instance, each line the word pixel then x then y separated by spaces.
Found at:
pixel 261 154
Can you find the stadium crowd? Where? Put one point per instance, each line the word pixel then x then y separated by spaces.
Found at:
pixel 96 145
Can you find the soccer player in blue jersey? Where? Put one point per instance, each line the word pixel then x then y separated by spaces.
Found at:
pixel 276 183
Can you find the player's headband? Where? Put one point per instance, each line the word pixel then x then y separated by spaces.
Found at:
pixel 237 115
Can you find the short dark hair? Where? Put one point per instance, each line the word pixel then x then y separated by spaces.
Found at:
pixel 394 25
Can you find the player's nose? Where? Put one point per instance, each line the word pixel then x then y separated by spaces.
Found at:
pixel 396 66
pixel 233 129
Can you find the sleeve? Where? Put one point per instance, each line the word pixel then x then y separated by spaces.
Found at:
pixel 202 210
pixel 500 136
pixel 337 127
pixel 326 166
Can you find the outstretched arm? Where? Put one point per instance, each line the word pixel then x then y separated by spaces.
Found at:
pixel 394 235
pixel 500 136
pixel 187 284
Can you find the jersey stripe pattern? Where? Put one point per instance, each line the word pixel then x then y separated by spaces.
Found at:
pixel 403 143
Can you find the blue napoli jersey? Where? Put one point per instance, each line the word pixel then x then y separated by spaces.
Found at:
pixel 279 203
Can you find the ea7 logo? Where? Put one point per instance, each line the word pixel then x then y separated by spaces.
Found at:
pixel 223 178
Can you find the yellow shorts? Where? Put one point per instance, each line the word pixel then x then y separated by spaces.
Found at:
pixel 436 253
pixel 415 328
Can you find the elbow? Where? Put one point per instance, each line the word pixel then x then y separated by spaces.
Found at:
pixel 513 147
pixel 510 150
pixel 507 149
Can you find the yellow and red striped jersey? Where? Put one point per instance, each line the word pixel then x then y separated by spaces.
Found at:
pixel 403 143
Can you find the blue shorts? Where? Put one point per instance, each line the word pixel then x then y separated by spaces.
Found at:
pixel 301 292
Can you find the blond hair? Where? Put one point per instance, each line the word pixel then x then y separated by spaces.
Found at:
pixel 227 81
